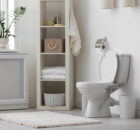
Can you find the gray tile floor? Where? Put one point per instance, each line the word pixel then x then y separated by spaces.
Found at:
pixel 113 123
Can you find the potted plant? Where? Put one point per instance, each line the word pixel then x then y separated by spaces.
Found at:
pixel 5 30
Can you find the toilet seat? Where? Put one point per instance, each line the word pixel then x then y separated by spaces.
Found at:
pixel 108 70
pixel 95 84
pixel 109 65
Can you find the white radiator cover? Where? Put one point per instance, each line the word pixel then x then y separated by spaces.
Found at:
pixel 13 81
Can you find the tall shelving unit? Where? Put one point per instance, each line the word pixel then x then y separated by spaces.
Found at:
pixel 48 9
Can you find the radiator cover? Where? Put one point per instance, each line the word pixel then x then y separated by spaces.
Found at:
pixel 13 81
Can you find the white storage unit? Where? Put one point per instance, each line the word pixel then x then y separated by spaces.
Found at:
pixel 13 81
pixel 48 10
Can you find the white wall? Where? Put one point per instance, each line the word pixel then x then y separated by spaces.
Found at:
pixel 26 40
pixel 122 28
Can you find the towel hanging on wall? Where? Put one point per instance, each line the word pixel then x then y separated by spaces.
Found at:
pixel 75 39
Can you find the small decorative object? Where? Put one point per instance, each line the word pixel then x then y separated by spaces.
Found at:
pixel 108 4
pixel 55 20
pixel 54 45
pixel 58 21
pixel 128 3
pixel 5 30
pixel 101 45
pixel 50 23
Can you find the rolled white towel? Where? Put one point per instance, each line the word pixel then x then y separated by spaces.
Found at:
pixel 53 77
pixel 58 70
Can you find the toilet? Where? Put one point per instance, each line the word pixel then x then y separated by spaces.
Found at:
pixel 114 72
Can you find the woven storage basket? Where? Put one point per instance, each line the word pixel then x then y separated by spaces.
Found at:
pixel 54 100
pixel 54 45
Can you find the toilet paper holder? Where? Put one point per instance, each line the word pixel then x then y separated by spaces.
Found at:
pixel 101 44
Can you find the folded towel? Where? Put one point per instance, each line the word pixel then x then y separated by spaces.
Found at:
pixel 75 39
pixel 58 70
pixel 53 77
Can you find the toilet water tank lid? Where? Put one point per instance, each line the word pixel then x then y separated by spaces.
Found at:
pixel 109 66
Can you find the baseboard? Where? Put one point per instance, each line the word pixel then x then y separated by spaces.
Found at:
pixel 14 106
pixel 138 113
pixel 32 102
pixel 78 103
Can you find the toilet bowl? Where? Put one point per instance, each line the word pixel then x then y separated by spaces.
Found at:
pixel 114 71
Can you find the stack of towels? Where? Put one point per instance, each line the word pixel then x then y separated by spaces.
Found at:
pixel 53 73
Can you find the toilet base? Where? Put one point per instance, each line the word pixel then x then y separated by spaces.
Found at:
pixel 95 110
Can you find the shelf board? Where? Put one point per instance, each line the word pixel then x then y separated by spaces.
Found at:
pixel 52 53
pixel 52 0
pixel 52 26
pixel 46 80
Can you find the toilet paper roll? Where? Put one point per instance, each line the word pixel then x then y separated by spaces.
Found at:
pixel 128 3
pixel 108 4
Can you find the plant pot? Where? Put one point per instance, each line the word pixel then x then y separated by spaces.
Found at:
pixel 3 42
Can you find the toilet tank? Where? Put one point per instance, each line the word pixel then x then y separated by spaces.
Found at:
pixel 123 68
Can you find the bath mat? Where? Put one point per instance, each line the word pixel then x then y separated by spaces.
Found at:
pixel 46 119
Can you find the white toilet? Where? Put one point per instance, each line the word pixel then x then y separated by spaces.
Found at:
pixel 114 71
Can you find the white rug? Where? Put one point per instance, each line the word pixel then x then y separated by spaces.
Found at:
pixel 46 119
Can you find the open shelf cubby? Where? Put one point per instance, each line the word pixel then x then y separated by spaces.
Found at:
pixel 52 60
pixel 52 88
pixel 49 9
pixel 52 32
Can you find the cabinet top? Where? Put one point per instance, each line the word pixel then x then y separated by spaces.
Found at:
pixel 11 53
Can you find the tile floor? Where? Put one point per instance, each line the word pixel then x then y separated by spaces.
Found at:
pixel 113 123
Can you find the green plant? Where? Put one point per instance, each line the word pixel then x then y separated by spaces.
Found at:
pixel 15 16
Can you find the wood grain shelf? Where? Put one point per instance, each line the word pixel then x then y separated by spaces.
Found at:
pixel 46 80
pixel 52 0
pixel 43 53
pixel 52 26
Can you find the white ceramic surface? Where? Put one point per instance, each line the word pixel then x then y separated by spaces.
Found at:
pixel 96 96
pixel 97 93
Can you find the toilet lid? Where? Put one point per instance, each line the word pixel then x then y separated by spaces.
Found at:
pixel 108 68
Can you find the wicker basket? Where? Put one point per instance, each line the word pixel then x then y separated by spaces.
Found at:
pixel 54 100
pixel 54 45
